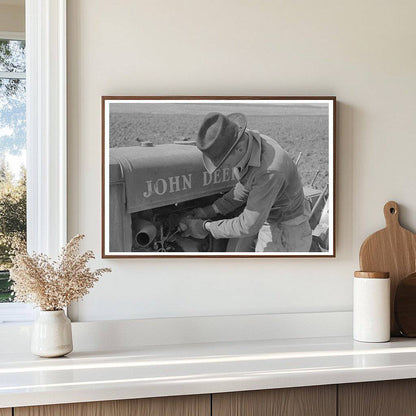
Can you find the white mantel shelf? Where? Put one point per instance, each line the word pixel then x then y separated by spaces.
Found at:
pixel 200 368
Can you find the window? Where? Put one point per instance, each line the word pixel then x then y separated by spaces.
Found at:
pixel 43 93
pixel 12 168
pixel 12 154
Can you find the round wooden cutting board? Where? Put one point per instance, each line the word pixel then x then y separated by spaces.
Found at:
pixel 393 250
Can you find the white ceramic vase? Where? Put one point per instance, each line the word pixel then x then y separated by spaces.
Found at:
pixel 52 334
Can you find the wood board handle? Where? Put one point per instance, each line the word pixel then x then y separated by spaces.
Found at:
pixel 391 214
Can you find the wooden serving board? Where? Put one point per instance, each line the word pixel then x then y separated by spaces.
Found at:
pixel 393 250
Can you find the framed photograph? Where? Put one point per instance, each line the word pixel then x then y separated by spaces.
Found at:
pixel 218 177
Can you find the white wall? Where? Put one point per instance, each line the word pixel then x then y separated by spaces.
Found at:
pixel 361 51
pixel 12 17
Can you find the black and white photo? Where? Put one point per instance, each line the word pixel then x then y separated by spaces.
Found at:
pixel 218 176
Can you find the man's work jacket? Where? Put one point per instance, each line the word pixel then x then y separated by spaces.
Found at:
pixel 269 185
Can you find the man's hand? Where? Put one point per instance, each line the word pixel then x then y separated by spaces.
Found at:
pixel 204 213
pixel 193 228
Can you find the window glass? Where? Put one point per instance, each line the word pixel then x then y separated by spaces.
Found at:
pixel 12 55
pixel 12 155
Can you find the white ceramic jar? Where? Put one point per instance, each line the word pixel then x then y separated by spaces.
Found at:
pixel 52 334
pixel 371 307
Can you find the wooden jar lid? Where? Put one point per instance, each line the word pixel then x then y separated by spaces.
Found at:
pixel 372 275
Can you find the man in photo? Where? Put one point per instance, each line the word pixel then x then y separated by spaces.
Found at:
pixel 268 184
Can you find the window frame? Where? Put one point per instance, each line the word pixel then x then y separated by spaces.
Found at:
pixel 12 35
pixel 46 139
pixel 46 125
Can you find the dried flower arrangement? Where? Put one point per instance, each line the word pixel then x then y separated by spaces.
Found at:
pixel 52 285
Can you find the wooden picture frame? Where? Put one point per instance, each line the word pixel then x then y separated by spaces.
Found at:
pixel 153 174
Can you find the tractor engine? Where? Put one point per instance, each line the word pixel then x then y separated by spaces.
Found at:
pixel 152 188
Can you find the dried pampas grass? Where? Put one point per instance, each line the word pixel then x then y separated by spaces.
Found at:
pixel 52 285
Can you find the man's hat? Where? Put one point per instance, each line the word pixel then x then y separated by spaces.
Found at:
pixel 218 136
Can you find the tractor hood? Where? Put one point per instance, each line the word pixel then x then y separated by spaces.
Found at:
pixel 165 174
